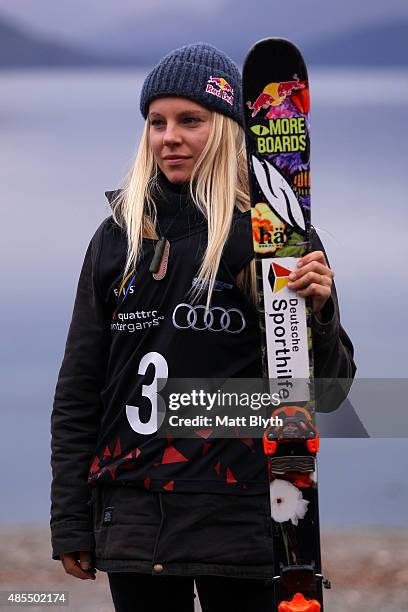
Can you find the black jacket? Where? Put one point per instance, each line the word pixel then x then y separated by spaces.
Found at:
pixel 92 443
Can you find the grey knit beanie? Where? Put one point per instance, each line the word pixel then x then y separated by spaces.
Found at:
pixel 199 72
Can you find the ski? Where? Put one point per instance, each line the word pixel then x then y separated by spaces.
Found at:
pixel 276 121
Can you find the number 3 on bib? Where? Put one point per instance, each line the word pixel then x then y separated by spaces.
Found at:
pixel 151 392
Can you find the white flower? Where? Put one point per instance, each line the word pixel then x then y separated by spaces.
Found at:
pixel 287 503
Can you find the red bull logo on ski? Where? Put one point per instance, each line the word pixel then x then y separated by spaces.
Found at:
pixel 217 86
pixel 274 94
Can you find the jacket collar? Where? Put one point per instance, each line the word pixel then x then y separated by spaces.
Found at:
pixel 111 195
pixel 170 190
pixel 173 193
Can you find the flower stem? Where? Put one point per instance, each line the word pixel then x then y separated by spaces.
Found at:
pixel 285 543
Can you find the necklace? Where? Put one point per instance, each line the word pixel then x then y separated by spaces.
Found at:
pixel 158 265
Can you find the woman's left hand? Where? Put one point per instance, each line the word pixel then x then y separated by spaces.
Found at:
pixel 313 278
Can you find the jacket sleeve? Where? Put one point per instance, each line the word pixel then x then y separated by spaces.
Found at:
pixel 76 412
pixel 333 351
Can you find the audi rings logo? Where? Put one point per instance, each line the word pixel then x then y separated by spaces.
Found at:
pixel 216 319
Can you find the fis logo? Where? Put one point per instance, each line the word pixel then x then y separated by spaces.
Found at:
pixel 217 86
pixel 125 287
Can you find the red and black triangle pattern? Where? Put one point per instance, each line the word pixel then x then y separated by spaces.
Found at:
pixel 116 461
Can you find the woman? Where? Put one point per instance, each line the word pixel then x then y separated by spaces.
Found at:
pixel 167 291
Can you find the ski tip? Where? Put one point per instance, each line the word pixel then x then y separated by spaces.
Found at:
pixel 299 604
pixel 275 40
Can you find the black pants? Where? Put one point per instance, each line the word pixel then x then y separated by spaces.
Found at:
pixel 132 592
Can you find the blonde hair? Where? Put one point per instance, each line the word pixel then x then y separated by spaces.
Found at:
pixel 218 184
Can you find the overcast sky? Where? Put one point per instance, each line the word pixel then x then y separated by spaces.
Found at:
pixel 75 19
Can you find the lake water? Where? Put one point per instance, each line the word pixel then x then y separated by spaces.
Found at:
pixel 67 137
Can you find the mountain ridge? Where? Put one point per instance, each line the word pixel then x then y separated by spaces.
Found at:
pixel 380 45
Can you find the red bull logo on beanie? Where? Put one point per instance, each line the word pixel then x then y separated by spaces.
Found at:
pixel 217 86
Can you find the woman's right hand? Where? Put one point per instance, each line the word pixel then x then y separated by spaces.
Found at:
pixel 81 568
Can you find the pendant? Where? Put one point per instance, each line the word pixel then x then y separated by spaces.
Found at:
pixel 158 265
